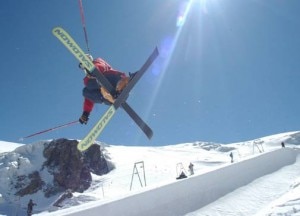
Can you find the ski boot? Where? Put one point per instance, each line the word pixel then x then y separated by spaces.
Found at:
pixel 124 82
pixel 107 96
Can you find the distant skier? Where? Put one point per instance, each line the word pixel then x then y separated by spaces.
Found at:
pixel 231 156
pixel 93 93
pixel 30 207
pixel 181 176
pixel 191 169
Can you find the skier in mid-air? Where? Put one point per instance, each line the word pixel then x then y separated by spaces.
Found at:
pixel 92 93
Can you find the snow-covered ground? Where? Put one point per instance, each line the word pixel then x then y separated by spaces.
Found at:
pixel 8 146
pixel 263 180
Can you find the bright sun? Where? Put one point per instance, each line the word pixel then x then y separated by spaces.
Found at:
pixel 169 43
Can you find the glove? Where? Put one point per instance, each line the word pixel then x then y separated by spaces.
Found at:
pixel 81 66
pixel 84 117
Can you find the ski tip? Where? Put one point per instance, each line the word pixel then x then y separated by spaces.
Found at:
pixel 156 50
pixel 57 29
pixel 150 135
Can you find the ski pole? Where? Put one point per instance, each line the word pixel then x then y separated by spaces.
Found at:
pixel 50 129
pixel 83 26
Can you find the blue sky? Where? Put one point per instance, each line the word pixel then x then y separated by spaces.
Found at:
pixel 228 70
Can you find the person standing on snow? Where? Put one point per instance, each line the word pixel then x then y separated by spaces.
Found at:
pixel 30 207
pixel 92 93
pixel 191 169
pixel 231 156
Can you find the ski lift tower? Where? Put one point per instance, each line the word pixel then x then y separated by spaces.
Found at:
pixel 138 166
pixel 259 145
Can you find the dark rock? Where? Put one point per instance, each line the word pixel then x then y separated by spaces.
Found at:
pixel 29 185
pixel 65 163
pixel 94 158
pixel 66 195
pixel 72 169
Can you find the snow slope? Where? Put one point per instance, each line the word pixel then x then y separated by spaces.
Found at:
pixel 8 146
pixel 193 193
pixel 257 183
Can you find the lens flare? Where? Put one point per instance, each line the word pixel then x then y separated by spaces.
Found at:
pixel 183 12
pixel 180 21
pixel 166 48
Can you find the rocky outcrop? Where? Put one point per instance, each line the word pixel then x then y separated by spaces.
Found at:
pixel 95 160
pixel 29 184
pixel 70 168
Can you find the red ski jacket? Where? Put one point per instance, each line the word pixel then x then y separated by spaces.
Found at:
pixel 113 75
